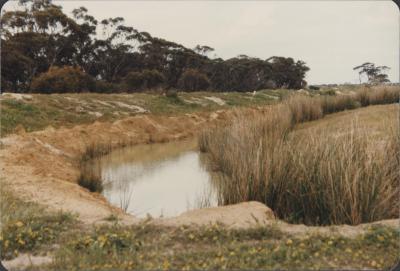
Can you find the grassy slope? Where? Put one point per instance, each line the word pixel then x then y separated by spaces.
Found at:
pixel 57 110
pixel 28 228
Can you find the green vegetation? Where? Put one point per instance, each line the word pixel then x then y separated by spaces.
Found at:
pixel 62 80
pixel 322 177
pixel 40 111
pixel 126 59
pixel 213 247
pixel 28 227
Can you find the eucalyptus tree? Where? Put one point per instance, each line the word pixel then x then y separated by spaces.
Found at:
pixel 375 74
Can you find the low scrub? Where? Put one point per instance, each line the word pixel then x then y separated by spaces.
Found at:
pixel 142 247
pixel 323 179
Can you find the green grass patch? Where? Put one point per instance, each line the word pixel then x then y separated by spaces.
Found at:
pixel 28 227
pixel 73 109
pixel 214 247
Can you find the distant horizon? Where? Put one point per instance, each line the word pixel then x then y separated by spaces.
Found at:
pixel 331 37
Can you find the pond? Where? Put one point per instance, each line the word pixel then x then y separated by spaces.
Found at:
pixel 163 179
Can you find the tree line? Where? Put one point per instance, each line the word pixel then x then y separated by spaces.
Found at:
pixel 45 50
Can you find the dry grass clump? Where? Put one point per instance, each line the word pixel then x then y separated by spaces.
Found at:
pixel 304 108
pixel 363 97
pixel 90 176
pixel 331 179
pixel 322 178
pixel 90 181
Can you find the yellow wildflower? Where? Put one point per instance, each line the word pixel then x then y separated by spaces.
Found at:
pixel 289 242
pixel 348 250
pixel 19 224
pixel 166 265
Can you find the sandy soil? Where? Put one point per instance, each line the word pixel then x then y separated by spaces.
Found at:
pixel 43 167
pixel 26 260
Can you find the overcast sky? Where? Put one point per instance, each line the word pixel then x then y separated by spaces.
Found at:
pixel 330 36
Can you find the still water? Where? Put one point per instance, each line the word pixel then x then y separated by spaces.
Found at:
pixel 158 179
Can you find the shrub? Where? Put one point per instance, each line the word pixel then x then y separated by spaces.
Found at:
pixel 90 181
pixel 329 92
pixel 106 87
pixel 62 80
pixel 313 87
pixel 146 79
pixel 193 80
pixel 171 93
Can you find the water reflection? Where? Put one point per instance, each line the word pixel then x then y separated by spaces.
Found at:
pixel 159 179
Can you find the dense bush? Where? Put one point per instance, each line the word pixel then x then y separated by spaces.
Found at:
pixel 192 80
pixel 146 79
pixel 63 79
pixel 106 87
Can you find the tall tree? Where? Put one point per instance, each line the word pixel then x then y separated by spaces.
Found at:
pixel 375 74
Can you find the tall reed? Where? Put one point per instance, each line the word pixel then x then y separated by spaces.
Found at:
pixel 323 179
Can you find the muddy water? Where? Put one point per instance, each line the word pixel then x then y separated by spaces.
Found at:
pixel 158 179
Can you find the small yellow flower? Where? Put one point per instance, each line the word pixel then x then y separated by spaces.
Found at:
pixel 316 254
pixel 348 250
pixel 330 243
pixel 373 263
pixel 19 224
pixel 21 242
pixel 166 265
pixel 191 236
pixel 232 253
pixel 381 238
pixel 289 242
pixel 302 245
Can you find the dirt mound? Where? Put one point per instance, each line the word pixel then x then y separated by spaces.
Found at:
pixel 242 215
pixel 256 214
